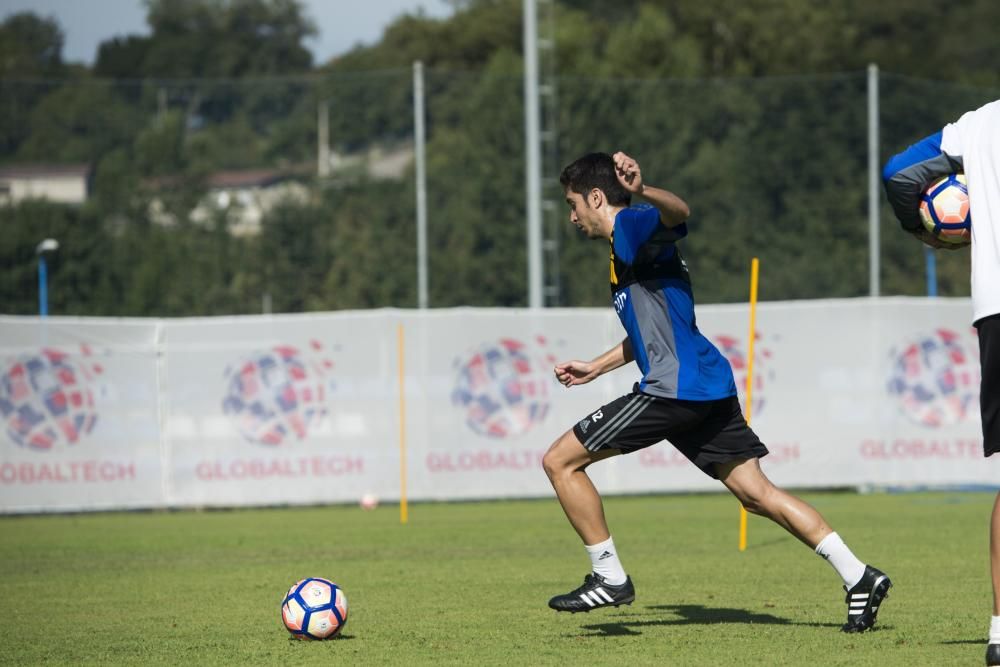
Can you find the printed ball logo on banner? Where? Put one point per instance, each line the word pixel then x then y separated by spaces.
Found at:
pixel 48 399
pixel 736 352
pixel 503 387
pixel 274 393
pixel 935 379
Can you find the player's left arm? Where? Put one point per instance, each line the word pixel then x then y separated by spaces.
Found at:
pixel 673 210
pixel 908 173
pixel 570 373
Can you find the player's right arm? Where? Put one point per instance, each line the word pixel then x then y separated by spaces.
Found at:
pixel 674 211
pixel 908 173
pixel 570 373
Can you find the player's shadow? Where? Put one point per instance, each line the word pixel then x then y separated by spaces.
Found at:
pixel 773 542
pixel 693 614
pixel 984 641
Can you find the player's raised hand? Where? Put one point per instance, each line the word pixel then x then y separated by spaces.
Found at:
pixel 627 171
pixel 570 373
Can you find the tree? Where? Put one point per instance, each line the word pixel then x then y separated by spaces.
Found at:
pixel 30 56
pixel 226 38
pixel 754 112
pixel 30 47
pixel 78 123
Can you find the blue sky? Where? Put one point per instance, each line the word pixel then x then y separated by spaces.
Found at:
pixel 342 23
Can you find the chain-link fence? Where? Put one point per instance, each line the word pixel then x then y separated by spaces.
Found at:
pixel 291 194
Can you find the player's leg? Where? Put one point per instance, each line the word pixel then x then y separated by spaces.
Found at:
pixel 565 463
pixel 724 446
pixel 760 496
pixel 989 404
pixel 621 425
pixel 995 555
pixel 993 650
pixel 866 586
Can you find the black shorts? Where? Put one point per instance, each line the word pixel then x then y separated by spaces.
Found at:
pixel 706 432
pixel 989 388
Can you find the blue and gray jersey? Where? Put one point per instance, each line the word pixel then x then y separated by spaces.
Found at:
pixel 652 294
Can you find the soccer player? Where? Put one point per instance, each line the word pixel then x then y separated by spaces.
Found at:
pixel 970 145
pixel 686 395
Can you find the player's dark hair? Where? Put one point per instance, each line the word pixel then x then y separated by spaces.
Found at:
pixel 595 170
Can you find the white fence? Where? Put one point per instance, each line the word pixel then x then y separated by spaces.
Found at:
pixel 111 413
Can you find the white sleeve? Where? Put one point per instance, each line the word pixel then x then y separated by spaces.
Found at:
pixel 953 136
pixel 974 126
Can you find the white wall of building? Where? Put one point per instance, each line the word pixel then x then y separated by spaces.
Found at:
pixel 65 186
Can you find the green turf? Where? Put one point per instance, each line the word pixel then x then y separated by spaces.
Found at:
pixel 467 584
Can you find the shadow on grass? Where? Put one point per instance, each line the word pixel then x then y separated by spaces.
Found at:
pixel 784 539
pixel 335 638
pixel 692 614
pixel 984 641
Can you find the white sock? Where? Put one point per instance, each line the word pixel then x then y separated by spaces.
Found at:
pixel 604 561
pixel 847 565
pixel 995 629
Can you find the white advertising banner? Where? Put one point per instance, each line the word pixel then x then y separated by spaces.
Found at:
pixel 319 408
pixel 79 410
pixel 879 392
pixel 273 410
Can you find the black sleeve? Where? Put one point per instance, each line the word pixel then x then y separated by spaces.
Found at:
pixel 907 174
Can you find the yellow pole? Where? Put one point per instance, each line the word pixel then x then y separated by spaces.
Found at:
pixel 754 269
pixel 403 515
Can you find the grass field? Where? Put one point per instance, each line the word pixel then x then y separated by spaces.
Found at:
pixel 467 584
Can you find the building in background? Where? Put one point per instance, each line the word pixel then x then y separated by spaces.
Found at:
pixel 60 183
pixel 246 196
pixel 242 197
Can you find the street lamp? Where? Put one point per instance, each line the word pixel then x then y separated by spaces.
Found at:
pixel 48 245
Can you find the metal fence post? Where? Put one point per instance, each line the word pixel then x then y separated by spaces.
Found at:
pixel 420 146
pixel 874 181
pixel 533 171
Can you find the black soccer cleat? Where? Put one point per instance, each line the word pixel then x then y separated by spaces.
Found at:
pixel 594 593
pixel 993 655
pixel 864 599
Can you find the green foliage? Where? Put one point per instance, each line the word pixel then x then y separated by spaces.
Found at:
pixel 225 38
pixel 77 272
pixel 159 147
pixel 469 40
pixel 754 112
pixel 367 243
pixel 30 47
pixel 76 123
pixel 122 57
pixel 295 251
pixel 475 180
pixel 168 588
pixel 30 51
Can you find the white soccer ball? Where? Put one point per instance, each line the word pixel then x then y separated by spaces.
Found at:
pixel 369 501
pixel 944 210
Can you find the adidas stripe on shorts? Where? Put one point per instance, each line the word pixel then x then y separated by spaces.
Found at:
pixel 706 432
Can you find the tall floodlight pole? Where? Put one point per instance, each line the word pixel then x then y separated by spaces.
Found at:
pixel 420 146
pixel 874 196
pixel 532 149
